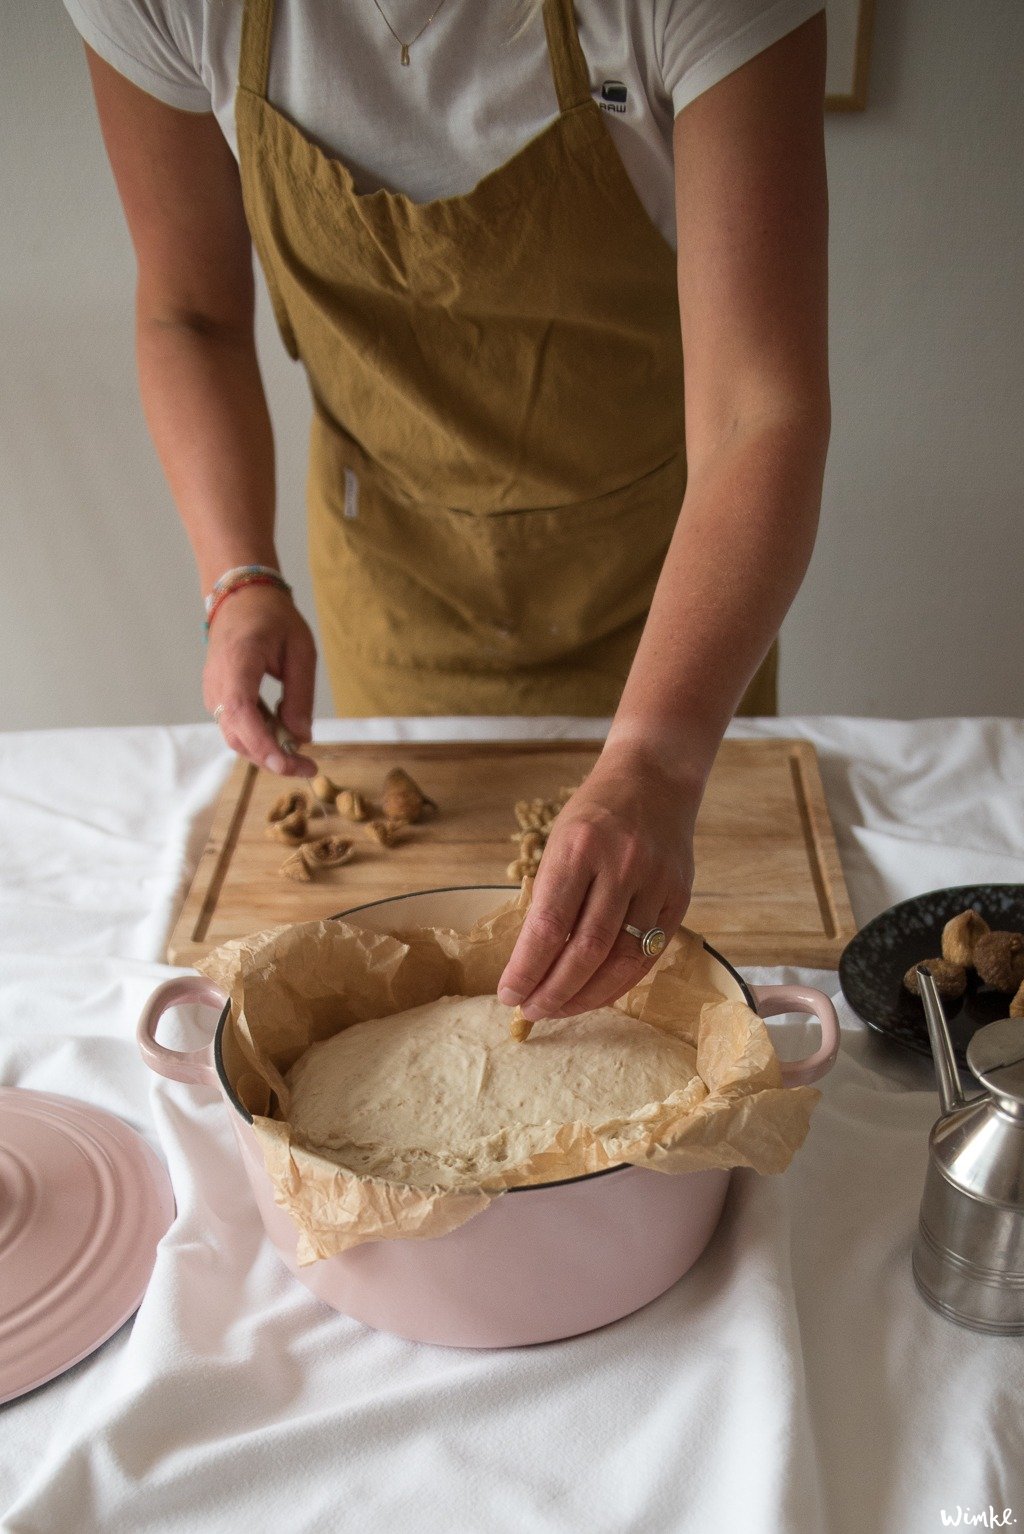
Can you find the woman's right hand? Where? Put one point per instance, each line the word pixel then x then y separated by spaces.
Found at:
pixel 259 632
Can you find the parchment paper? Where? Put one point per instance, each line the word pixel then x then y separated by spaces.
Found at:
pixel 293 986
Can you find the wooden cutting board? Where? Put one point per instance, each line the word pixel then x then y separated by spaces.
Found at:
pixel 769 886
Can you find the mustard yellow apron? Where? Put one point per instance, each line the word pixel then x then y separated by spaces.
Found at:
pixel 496 457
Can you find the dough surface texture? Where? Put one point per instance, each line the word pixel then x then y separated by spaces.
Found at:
pixel 440 1095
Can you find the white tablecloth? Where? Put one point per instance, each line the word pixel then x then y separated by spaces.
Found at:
pixel 792 1383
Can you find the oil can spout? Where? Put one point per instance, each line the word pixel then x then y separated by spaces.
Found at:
pixel 946 1074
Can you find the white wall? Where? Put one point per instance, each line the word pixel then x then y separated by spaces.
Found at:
pixel 912 605
pixel 913 602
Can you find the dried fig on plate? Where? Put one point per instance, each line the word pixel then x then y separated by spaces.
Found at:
pixel 960 935
pixel 999 959
pixel 950 979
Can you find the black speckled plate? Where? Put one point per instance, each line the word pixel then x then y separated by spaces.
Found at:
pixel 872 965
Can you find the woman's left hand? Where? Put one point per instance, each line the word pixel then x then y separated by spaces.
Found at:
pixel 621 850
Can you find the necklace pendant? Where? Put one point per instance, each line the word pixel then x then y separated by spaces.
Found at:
pixel 405 53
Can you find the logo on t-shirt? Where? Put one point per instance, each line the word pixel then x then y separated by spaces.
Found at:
pixel 613 96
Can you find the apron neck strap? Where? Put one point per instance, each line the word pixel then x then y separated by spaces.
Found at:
pixel 568 65
pixel 254 52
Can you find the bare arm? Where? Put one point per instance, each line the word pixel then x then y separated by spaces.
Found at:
pixel 752 261
pixel 752 217
pixel 201 391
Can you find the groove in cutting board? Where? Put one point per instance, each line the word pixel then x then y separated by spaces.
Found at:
pixel 769 886
pixel 828 917
pixel 209 904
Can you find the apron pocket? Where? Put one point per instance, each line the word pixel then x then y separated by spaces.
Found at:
pixel 432 587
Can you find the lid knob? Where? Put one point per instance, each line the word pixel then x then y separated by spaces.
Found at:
pixel 996 1056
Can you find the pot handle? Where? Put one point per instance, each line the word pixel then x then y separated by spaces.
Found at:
pixel 773 999
pixel 193 1066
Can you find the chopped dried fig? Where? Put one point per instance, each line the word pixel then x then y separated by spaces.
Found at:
pixel 307 861
pixel 384 830
pixel 534 814
pixel 295 867
pixel 326 852
pixel 403 800
pixel 535 818
pixel 287 805
pixel 324 789
pixel 290 828
pixel 351 804
pixel 531 844
pixel 519 1026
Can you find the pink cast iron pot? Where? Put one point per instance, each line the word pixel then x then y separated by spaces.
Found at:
pixel 539 1263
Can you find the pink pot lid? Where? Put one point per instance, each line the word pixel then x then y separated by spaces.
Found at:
pixel 83 1204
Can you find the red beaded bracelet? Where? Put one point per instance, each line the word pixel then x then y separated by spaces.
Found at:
pixel 268 579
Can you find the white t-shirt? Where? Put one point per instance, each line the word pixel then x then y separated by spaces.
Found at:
pixel 472 94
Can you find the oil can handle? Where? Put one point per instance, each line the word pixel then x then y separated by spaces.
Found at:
pixel 773 999
pixel 193 1066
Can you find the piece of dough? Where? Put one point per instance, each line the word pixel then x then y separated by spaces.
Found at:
pixel 440 1095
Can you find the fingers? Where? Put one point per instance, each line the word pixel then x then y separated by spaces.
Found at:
pixel 626 962
pixel 616 854
pixel 573 954
pixel 596 935
pixel 247 730
pixel 232 686
pixel 287 745
pixel 558 892
pixel 298 677
pixel 592 960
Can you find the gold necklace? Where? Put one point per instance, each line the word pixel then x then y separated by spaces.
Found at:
pixel 407 45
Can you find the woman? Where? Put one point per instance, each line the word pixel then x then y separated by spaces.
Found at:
pixel 490 248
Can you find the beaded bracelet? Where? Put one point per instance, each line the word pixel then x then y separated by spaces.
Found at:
pixel 239 572
pixel 255 575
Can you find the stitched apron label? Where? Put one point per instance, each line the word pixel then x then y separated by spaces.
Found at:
pixel 351 493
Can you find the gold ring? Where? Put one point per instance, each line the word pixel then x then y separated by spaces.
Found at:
pixel 652 941
pixel 217 713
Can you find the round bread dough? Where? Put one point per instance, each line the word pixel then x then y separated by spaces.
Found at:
pixel 440 1095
